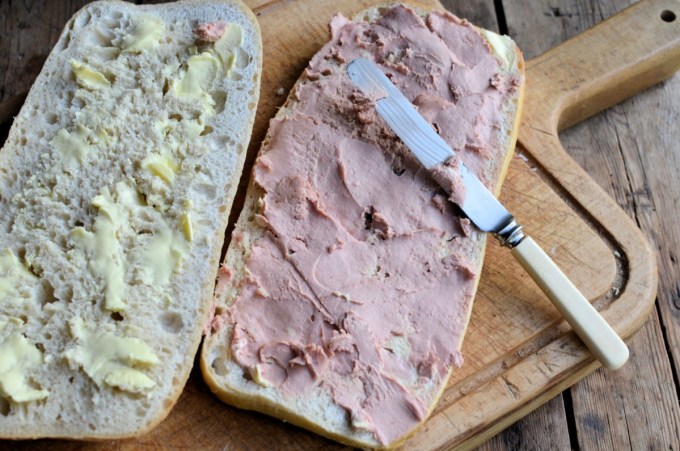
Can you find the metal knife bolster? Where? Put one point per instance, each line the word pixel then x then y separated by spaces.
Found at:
pixel 511 234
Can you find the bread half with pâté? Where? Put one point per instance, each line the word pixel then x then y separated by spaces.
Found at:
pixel 346 290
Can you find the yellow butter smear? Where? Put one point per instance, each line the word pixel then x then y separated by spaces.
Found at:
pixel 227 44
pixel 185 222
pixel 73 146
pixel 163 166
pixel 198 79
pixel 87 77
pixel 112 360
pixel 202 70
pixel 503 47
pixel 13 275
pixel 163 255
pixel 17 357
pixel 147 34
pixel 106 253
pixel 8 321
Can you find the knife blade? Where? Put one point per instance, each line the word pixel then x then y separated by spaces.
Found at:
pixel 488 213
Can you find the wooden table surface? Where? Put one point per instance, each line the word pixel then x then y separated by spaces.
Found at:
pixel 632 150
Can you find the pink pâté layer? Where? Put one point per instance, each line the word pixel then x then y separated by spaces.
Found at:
pixel 360 287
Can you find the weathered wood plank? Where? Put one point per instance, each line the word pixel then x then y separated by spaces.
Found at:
pixel 635 408
pixel 544 428
pixel 636 162
pixel 633 153
pixel 480 12
pixel 28 31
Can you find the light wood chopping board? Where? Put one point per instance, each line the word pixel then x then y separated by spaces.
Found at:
pixel 518 352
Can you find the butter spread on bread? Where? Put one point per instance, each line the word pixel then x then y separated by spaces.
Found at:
pixel 350 278
pixel 116 183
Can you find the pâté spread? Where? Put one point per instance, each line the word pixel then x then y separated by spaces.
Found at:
pixel 360 286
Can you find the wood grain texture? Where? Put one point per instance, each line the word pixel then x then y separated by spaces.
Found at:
pixel 479 12
pixel 632 151
pixel 28 31
pixel 543 429
pixel 650 404
pixel 518 351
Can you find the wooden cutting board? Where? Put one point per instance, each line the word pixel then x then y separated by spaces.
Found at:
pixel 518 352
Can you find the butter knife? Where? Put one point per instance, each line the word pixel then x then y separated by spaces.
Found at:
pixel 489 215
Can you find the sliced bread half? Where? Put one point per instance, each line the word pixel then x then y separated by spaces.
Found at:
pixel 348 284
pixel 116 183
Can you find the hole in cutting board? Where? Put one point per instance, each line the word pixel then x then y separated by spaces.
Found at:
pixel 668 15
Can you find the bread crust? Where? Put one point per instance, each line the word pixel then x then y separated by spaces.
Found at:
pixel 225 198
pixel 257 402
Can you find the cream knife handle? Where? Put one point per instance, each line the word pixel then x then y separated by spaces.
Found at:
pixel 588 324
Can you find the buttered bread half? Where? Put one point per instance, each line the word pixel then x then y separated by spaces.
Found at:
pixel 116 182
pixel 349 281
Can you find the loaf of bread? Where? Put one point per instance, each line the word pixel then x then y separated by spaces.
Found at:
pixel 348 284
pixel 116 182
